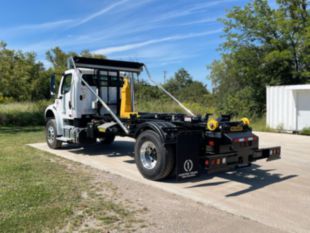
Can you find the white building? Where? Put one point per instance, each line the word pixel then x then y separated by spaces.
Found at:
pixel 288 107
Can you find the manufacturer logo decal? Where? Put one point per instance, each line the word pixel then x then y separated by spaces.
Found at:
pixel 188 165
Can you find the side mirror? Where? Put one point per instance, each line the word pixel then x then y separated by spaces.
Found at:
pixel 53 85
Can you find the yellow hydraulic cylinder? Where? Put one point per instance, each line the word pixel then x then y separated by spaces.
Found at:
pixel 126 107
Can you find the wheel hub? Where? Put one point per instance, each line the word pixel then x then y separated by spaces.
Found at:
pixel 148 155
pixel 50 134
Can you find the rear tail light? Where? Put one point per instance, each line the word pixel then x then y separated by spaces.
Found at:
pixel 215 162
pixel 211 143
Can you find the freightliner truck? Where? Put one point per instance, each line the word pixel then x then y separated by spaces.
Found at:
pixel 95 103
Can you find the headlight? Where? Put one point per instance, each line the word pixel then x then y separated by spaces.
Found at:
pixel 245 121
pixel 212 124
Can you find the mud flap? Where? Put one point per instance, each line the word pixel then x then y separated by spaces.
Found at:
pixel 187 154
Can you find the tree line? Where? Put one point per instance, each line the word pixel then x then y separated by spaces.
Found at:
pixel 23 78
pixel 263 46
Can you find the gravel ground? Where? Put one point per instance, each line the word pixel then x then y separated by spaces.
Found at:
pixel 160 211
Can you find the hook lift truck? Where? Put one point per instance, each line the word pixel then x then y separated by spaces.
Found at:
pixel 95 102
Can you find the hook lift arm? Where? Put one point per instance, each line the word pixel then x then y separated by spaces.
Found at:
pixel 167 92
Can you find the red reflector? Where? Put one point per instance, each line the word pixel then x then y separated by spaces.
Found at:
pixel 207 163
pixel 211 143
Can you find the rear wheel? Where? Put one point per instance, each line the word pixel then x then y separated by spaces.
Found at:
pixel 51 134
pixel 153 159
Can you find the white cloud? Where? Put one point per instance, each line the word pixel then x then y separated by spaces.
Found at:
pixel 44 26
pixel 190 10
pixel 209 4
pixel 207 20
pixel 70 23
pixel 35 27
pixel 100 12
pixel 131 46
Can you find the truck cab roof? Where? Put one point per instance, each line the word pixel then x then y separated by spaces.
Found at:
pixel 105 64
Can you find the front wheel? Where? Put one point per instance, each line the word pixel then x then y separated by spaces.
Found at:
pixel 153 159
pixel 51 134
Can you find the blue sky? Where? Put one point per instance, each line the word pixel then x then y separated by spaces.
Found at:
pixel 164 34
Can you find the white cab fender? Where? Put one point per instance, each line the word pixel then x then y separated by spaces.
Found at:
pixel 51 111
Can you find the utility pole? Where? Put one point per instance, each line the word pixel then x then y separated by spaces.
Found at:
pixel 165 74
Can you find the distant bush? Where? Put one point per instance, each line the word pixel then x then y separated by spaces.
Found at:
pixel 259 124
pixel 161 105
pixel 5 100
pixel 23 113
pixel 305 131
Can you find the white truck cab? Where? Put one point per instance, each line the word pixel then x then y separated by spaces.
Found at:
pixel 86 93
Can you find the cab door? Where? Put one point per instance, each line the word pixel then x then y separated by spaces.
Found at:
pixel 65 96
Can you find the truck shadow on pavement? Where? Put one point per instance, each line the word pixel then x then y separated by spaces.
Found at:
pixel 118 148
pixel 254 176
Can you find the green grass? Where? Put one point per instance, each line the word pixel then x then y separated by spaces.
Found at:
pixel 259 124
pixel 23 114
pixel 305 131
pixel 42 193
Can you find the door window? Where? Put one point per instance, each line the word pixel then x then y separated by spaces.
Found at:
pixel 66 84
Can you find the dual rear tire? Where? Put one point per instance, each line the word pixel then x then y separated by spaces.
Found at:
pixel 154 160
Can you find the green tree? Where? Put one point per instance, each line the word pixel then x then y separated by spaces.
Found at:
pixel 58 58
pixel 193 93
pixel 18 72
pixel 180 80
pixel 263 46
pixel 186 89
